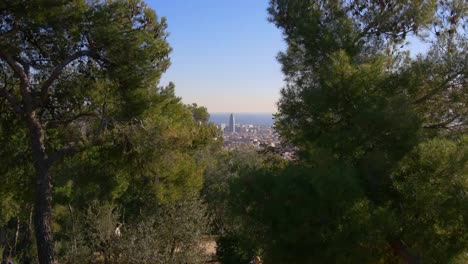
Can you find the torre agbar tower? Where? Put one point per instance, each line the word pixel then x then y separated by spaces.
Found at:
pixel 232 124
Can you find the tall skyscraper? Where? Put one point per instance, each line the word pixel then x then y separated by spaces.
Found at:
pixel 232 123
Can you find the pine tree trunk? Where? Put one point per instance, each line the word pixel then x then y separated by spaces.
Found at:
pixel 43 201
pixel 15 241
pixel 74 246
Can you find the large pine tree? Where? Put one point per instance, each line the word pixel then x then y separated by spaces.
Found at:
pixel 381 172
pixel 71 69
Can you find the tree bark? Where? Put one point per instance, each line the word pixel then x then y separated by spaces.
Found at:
pixel 43 196
pixel 43 201
pixel 74 247
pixel 15 241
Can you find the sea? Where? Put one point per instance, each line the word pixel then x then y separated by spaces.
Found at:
pixel 259 119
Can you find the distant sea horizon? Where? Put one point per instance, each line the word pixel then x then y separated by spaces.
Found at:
pixel 243 118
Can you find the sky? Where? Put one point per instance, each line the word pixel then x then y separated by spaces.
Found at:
pixel 224 53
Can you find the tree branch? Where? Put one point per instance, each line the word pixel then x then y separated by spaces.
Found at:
pixel 59 154
pixel 24 83
pixel 443 124
pixel 54 124
pixel 59 69
pixel 434 91
pixel 16 66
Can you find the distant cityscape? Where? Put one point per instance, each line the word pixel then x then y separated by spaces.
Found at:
pixel 264 119
pixel 255 134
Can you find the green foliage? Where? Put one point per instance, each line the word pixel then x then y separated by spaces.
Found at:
pixel 315 29
pixel 352 111
pixel 16 188
pixel 304 214
pixel 220 172
pixel 234 244
pixel 110 133
pixel 169 234
pixel 432 183
pixel 200 113
pixel 235 248
pixel 381 174
pixel 159 159
pixel 321 212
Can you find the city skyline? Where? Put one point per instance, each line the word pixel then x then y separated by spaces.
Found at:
pixel 264 119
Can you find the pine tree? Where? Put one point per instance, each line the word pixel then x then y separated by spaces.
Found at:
pixel 71 70
pixel 379 135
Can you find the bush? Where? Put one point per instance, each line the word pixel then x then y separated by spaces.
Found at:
pixel 172 234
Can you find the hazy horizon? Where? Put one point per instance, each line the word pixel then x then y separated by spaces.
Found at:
pixel 243 118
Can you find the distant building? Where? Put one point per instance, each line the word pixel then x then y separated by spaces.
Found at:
pixel 232 124
pixel 222 126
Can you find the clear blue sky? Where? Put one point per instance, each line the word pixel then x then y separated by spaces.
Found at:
pixel 223 53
